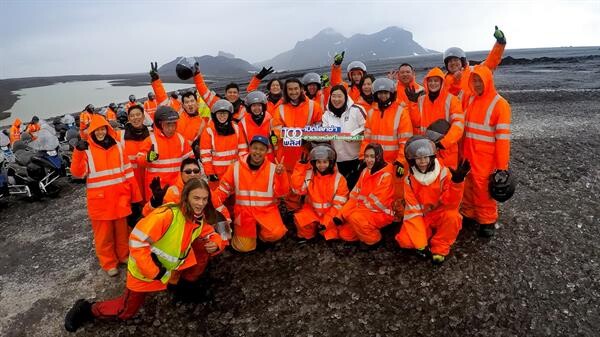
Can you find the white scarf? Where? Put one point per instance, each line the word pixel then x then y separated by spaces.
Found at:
pixel 429 177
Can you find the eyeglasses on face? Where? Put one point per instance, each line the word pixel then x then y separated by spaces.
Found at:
pixel 190 171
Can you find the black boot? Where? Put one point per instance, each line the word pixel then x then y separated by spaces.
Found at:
pixel 487 230
pixel 363 247
pixel 423 253
pixel 80 313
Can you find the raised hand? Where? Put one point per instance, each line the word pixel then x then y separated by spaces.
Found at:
pixel 339 58
pixel 264 72
pixel 154 71
pixel 279 168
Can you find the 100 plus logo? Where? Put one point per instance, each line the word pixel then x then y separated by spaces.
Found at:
pixel 292 137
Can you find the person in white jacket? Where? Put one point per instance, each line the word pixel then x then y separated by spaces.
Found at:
pixel 342 112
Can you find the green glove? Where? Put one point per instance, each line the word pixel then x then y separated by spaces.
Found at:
pixel 273 139
pixel 324 80
pixel 152 155
pixel 399 169
pixel 499 35
pixel 339 58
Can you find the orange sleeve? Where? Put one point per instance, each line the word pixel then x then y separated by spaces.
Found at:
pixel 150 228
pixel 349 206
pixel 254 83
pixel 225 189
pixel 79 164
pixel 502 134
pixel 452 192
pixel 495 56
pixel 384 191
pixel 413 222
pixel 405 131
pixel 136 195
pixel 206 152
pixel 336 75
pixel 317 114
pixel 159 91
pixel 281 185
pixel 339 199
pixel 366 137
pixel 208 233
pixel 209 97
pixel 457 124
pixel 242 145
pixel 277 123
pixel 143 152
pixel 452 84
pixel 298 182
pixel 415 116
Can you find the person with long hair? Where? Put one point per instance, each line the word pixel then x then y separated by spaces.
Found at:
pixel 161 246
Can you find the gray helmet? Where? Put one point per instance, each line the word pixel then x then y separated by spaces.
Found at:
pixel 322 152
pixel 113 106
pixel 418 147
pixel 132 98
pixel 356 65
pixel 254 97
pixel 310 78
pixel 455 52
pixel 222 105
pixel 151 95
pixel 165 114
pixel 384 84
pixel 437 130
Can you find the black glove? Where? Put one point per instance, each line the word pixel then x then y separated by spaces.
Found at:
pixel 213 177
pixel 82 145
pixel 339 58
pixel 158 193
pixel 458 175
pixel 196 68
pixel 304 158
pixel 439 145
pixel 399 169
pixel 161 269
pixel 196 148
pixel 413 95
pixel 321 227
pixel 136 214
pixel 264 72
pixel 337 221
pixel 499 35
pixel 154 71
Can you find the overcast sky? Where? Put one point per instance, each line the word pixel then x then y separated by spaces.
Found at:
pixel 47 37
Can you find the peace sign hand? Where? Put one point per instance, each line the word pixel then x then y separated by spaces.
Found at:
pixel 279 168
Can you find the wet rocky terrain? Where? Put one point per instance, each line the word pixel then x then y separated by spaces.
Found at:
pixel 539 276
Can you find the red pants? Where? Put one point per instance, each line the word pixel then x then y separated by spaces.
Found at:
pixel 477 202
pixel 440 228
pixel 111 238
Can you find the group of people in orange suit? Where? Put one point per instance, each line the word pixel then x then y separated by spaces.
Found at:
pixel 193 186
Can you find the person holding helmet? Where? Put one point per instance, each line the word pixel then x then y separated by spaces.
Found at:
pixel 369 207
pixel 257 184
pixel 162 245
pixel 111 189
pixel 486 144
pixel 326 191
pixel 221 143
pixel 258 121
pixel 457 65
pixel 356 70
pixel 132 140
pixel 165 148
pixel 432 196
pixel 190 125
pixel 150 105
pixel 437 103
pixel 350 118
pixel 84 120
pixel 435 132
pixel 15 131
pixel 313 89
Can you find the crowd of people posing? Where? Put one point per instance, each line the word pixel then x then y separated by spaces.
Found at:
pixel 164 200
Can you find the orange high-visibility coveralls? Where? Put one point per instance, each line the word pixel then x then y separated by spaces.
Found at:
pixel 431 211
pixel 150 107
pixel 369 207
pixel 401 93
pixel 171 151
pixel 111 188
pixel 336 78
pixel 85 119
pixel 111 115
pixel 256 193
pixel 460 88
pixel 151 229
pixel 271 107
pixel 326 194
pixel 218 152
pixel 446 106
pixel 32 129
pixel 363 103
pixel 486 145
pixel 190 127
pixel 390 128
pixel 133 151
pixel 249 129
pixel 210 97
pixel 15 131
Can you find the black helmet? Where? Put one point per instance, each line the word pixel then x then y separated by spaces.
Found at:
pixel 437 130
pixel 131 98
pixel 185 68
pixel 90 108
pixel 502 185
pixel 113 106
pixel 151 95
pixel 165 114
pixel 35 119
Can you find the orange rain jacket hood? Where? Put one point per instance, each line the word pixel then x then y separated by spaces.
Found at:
pixel 97 122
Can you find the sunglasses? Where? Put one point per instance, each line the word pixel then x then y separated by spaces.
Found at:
pixel 194 171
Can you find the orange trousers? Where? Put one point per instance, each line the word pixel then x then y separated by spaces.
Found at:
pixel 440 228
pixel 307 222
pixel 250 222
pixel 477 202
pixel 111 238
pixel 398 203
pixel 364 225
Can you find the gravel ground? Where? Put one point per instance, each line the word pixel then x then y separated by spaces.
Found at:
pixel 539 276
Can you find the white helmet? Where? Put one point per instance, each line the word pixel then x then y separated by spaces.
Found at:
pixel 356 65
